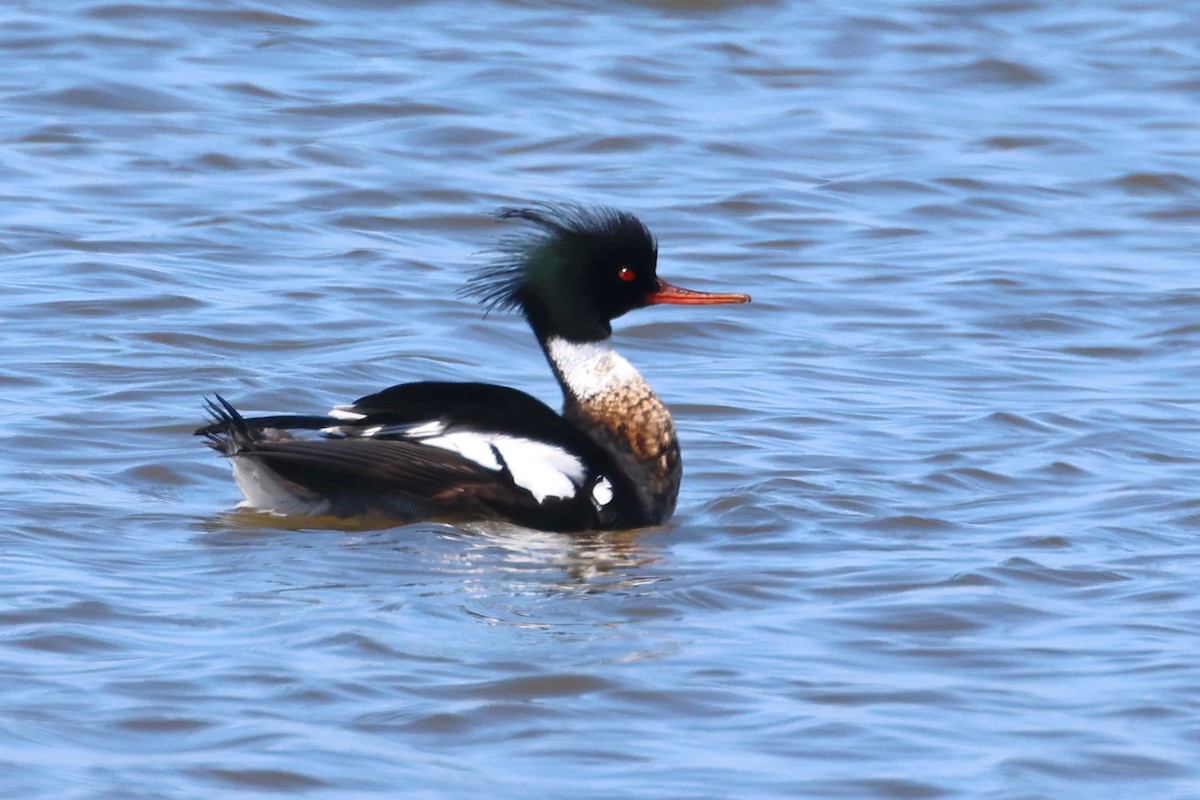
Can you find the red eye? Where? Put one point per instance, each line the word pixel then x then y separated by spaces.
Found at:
pixel 626 274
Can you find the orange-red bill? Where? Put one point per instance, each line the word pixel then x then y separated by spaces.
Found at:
pixel 677 295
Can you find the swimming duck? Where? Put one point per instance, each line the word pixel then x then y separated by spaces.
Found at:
pixel 475 451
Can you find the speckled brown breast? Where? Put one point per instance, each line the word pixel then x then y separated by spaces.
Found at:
pixel 633 424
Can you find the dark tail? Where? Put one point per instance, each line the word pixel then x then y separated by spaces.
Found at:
pixel 228 432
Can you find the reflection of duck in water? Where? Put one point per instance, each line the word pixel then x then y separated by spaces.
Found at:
pixel 485 452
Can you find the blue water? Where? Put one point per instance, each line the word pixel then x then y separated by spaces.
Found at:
pixel 938 535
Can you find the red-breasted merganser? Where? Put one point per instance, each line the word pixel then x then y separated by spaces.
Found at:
pixel 473 451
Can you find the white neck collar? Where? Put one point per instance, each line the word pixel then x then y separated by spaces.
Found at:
pixel 589 369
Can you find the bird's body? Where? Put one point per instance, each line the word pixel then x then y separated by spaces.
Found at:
pixel 484 452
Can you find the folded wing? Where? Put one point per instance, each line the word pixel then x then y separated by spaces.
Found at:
pixel 424 449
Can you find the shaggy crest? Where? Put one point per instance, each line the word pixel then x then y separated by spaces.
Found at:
pixel 562 233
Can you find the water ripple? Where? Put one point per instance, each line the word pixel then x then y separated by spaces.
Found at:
pixel 937 532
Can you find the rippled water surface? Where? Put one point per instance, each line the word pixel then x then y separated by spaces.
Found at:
pixel 939 531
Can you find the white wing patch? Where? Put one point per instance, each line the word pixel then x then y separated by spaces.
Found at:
pixel 434 427
pixel 345 412
pixel 543 469
pixel 474 446
pixel 421 431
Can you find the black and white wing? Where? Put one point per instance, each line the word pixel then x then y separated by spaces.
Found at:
pixel 430 449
